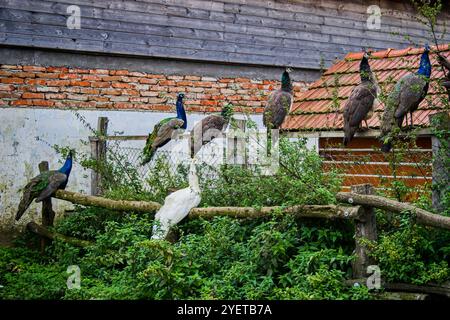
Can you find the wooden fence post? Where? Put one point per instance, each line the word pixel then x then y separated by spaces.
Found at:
pixel 94 174
pixel 48 215
pixel 365 228
pixel 440 157
pixel 98 153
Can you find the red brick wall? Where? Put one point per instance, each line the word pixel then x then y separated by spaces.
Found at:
pixel 63 87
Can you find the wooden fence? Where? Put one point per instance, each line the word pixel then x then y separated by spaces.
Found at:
pixel 361 166
pixel 100 148
pixel 358 206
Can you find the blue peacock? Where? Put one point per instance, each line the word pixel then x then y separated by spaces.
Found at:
pixel 45 185
pixel 408 93
pixel 163 130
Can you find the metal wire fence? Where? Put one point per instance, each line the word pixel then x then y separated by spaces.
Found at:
pixel 356 165
pixel 173 158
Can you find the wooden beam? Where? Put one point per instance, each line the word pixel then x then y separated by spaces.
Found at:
pixel 301 211
pixel 44 232
pixel 48 215
pixel 120 205
pixel 422 216
pixel 365 229
pixel 94 174
pixel 429 288
pixel 98 153
pixel 400 296
pixel 125 138
pixel 102 128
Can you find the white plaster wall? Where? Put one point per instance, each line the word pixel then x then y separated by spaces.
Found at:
pixel 21 152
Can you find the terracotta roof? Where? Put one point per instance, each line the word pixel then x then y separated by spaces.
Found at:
pixel 320 107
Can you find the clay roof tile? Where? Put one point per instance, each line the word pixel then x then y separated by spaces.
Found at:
pixel 314 109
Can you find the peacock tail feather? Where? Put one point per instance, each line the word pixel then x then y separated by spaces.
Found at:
pixel 44 185
pixel 31 191
pixel 149 151
pixel 43 182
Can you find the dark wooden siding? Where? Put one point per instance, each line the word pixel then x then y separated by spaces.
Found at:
pixel 299 33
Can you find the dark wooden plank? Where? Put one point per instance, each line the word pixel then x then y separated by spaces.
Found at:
pixel 236 27
pixel 138 17
pixel 248 31
pixel 86 11
pixel 327 7
pixel 218 10
pixel 147 41
pixel 153 51
pixel 179 8
pixel 374 35
pixel 50 42
pixel 173 32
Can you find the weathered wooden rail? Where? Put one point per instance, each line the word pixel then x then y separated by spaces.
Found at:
pixel 359 207
pixel 303 211
pixel 422 216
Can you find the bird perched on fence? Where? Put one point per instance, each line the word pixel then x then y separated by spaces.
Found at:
pixel 177 205
pixel 163 130
pixel 445 63
pixel 209 128
pixel 408 93
pixel 279 103
pixel 362 100
pixel 44 185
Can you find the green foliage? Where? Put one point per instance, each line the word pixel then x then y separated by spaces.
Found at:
pixel 277 257
pixel 273 258
pixel 24 274
pixel 442 132
pixel 227 111
pixel 430 10
pixel 224 258
pixel 299 179
pixel 408 255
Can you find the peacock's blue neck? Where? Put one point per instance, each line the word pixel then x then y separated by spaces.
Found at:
pixel 181 113
pixel 364 69
pixel 425 65
pixel 286 84
pixel 67 167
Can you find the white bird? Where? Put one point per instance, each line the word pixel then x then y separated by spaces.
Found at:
pixel 177 205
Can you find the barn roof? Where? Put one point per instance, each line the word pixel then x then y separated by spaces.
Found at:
pixel 320 107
